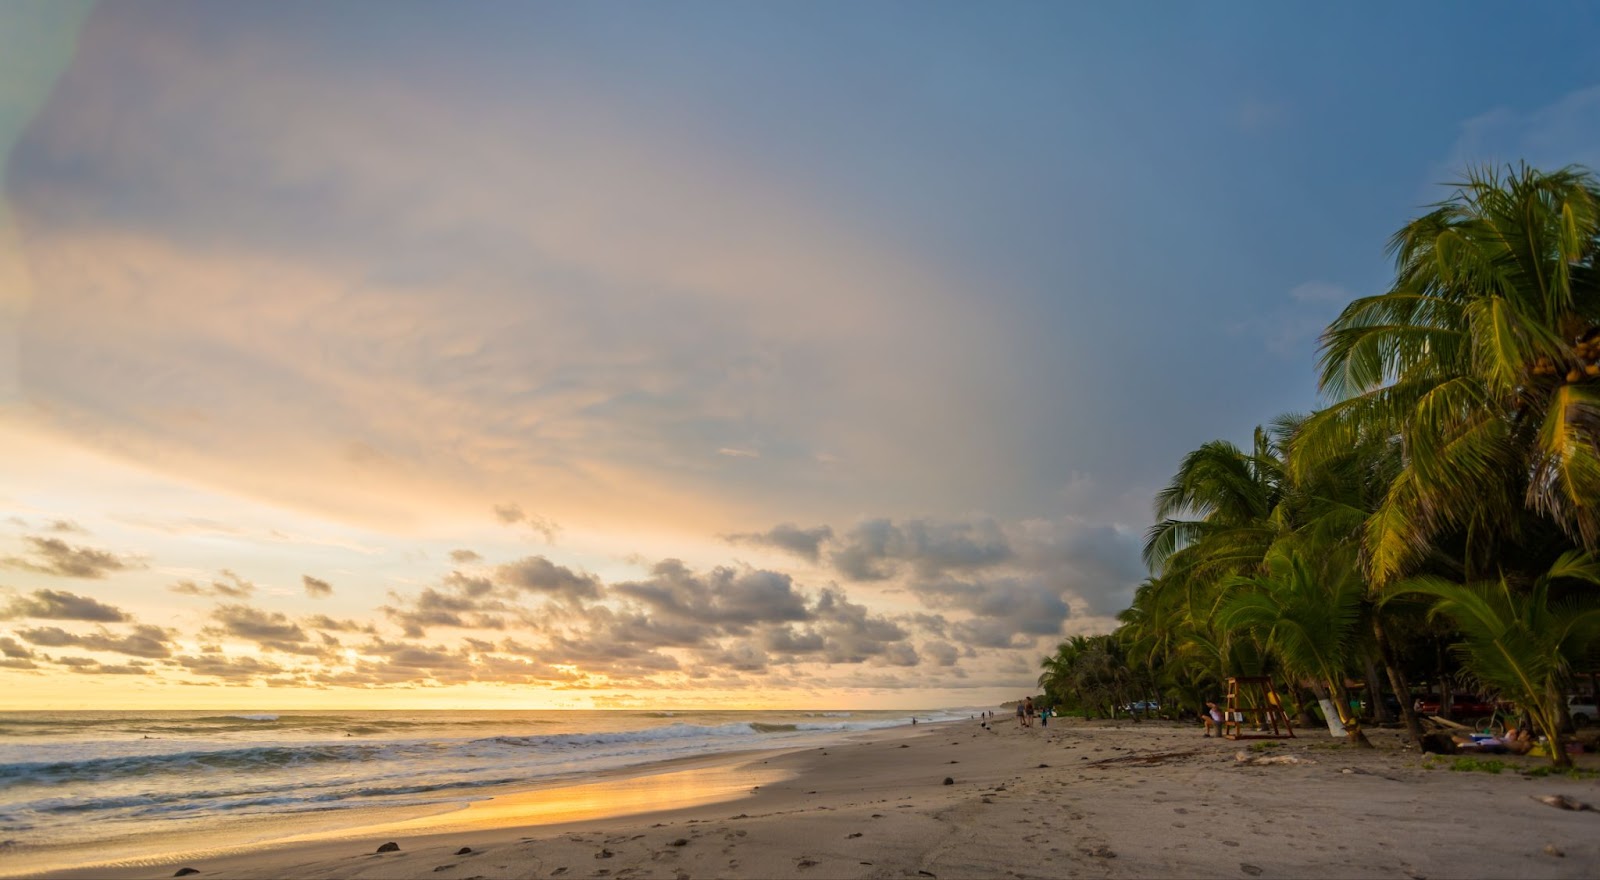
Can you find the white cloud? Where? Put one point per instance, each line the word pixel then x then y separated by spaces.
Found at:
pixel 1564 132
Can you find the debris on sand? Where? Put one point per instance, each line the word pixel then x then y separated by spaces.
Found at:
pixel 1563 802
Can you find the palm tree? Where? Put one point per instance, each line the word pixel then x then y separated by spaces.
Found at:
pixel 1056 677
pixel 1309 618
pixel 1520 642
pixel 1230 497
pixel 1481 359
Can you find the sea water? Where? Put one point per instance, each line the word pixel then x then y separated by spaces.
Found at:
pixel 71 777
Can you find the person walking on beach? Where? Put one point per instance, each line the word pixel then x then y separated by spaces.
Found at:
pixel 1027 711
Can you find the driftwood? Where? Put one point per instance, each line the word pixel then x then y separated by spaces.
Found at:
pixel 1143 758
pixel 1243 758
pixel 1563 802
pixel 1445 722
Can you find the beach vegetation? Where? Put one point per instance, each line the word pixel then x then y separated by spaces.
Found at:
pixel 1467 764
pixel 1438 520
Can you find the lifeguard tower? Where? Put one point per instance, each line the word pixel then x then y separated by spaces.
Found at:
pixel 1253 699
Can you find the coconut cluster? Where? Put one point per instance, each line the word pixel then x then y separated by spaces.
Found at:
pixel 1587 350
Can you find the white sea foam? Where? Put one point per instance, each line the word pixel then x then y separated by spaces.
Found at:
pixel 63 775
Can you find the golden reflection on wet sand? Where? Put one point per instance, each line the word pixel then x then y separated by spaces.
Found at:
pixel 576 803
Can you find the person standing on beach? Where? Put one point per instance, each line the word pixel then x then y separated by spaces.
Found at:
pixel 1027 711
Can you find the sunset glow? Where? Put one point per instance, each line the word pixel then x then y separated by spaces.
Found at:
pixel 497 356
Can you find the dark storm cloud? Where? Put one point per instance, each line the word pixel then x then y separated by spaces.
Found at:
pixel 733 598
pixel 632 626
pixel 57 557
pixel 805 543
pixel 470 601
pixel 111 669
pixel 788 640
pixel 851 633
pixel 238 669
pixel 269 629
pixel 536 574
pixel 13 649
pixel 323 621
pixel 901 654
pixel 60 605
pixel 468 585
pixel 230 587
pixel 876 549
pixel 497 667
pixel 942 653
pixel 739 657
pixel 989 633
pixel 1026 605
pixel 316 588
pixel 1097 563
pixel 456 608
pixel 142 640
pixel 612 658
pixel 842 632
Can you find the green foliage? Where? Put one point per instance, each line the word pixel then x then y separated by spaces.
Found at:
pixel 1477 765
pixel 1469 360
pixel 1459 458
pixel 1546 770
pixel 1518 641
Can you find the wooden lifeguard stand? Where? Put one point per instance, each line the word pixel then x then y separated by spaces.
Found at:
pixel 1253 698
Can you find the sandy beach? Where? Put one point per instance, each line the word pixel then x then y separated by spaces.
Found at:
pixel 1076 799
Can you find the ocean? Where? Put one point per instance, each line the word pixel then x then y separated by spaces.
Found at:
pixel 73 778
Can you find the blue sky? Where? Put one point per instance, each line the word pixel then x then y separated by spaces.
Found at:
pixel 884 321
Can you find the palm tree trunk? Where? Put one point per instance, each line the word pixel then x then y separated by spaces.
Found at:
pixel 1307 720
pixel 1353 734
pixel 1380 710
pixel 1557 714
pixel 1397 680
pixel 1447 694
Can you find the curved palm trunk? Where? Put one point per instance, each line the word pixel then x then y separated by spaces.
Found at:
pixel 1549 718
pixel 1547 722
pixel 1353 734
pixel 1397 680
pixel 1380 708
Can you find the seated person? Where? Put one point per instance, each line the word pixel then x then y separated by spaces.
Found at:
pixel 1212 718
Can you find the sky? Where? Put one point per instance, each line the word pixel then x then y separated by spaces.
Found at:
pixel 617 355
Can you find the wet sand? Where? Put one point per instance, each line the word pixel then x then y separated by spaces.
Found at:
pixel 1076 799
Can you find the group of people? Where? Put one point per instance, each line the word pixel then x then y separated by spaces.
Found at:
pixel 1027 712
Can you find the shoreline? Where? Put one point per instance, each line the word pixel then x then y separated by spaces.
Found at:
pixel 1105 799
pixel 671 784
